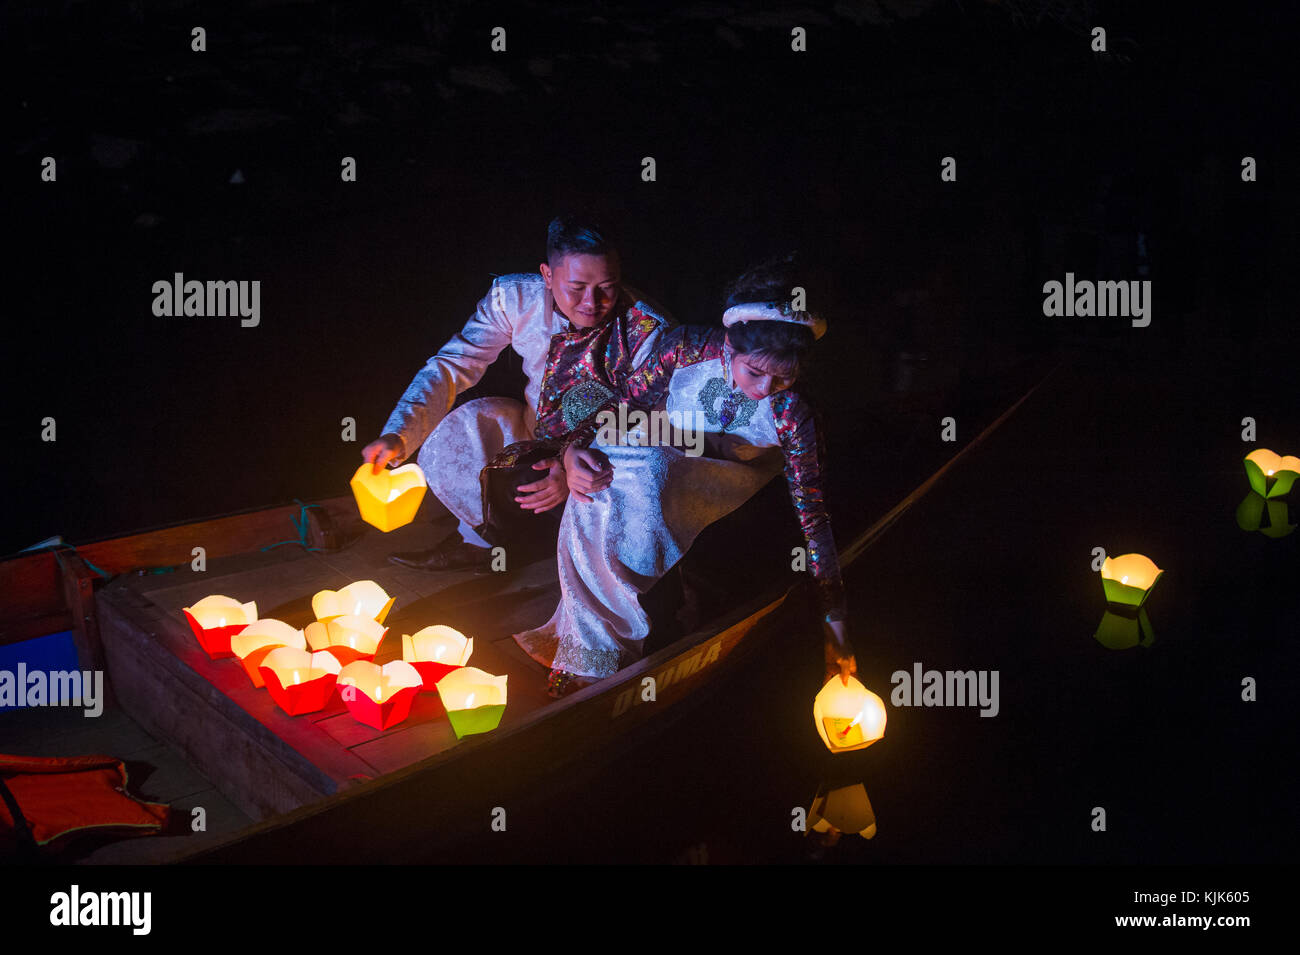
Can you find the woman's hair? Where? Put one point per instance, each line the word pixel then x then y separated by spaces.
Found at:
pixel 779 347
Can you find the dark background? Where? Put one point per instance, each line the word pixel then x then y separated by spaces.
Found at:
pixel 1116 165
pixel 1064 156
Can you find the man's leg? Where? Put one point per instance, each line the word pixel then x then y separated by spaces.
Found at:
pixel 451 459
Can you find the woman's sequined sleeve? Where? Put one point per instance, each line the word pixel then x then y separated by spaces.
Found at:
pixel 648 385
pixel 796 425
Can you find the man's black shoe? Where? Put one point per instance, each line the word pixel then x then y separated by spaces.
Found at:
pixel 452 554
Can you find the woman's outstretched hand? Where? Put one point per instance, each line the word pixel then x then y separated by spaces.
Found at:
pixel 840 660
pixel 387 448
pixel 587 471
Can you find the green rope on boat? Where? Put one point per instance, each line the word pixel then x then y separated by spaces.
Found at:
pixel 300 525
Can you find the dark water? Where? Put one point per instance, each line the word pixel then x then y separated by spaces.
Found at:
pixel 1121 166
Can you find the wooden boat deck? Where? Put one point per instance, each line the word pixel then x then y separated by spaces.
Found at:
pixel 264 760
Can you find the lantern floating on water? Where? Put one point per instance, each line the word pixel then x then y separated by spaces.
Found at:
pixel 848 717
pixel 259 638
pixel 379 696
pixel 216 619
pixel 1271 475
pixel 1128 580
pixel 389 499
pixel 435 652
pixel 474 700
pixel 298 681
pixel 363 598
pixel 349 638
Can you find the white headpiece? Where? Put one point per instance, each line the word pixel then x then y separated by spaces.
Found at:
pixel 774 312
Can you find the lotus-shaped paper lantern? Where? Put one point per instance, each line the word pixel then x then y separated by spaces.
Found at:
pixel 348 638
pixel 216 619
pixel 259 638
pixel 379 696
pixel 364 598
pixel 435 652
pixel 1271 475
pixel 1128 580
pixel 298 681
pixel 389 499
pixel 848 717
pixel 846 809
pixel 475 701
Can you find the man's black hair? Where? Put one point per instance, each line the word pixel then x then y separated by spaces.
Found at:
pixel 577 235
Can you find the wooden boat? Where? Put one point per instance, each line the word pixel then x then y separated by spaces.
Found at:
pixel 298 782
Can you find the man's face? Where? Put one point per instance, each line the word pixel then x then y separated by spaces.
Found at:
pixel 585 287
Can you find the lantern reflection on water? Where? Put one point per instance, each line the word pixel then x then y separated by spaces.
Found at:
pixel 848 717
pixel 259 638
pixel 844 809
pixel 215 619
pixel 389 499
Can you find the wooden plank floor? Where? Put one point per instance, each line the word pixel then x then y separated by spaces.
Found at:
pixel 487 607
pixel 156 773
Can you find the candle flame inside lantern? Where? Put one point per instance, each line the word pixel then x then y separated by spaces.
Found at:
pixel 469 702
pixel 222 621
pixel 1124 579
pixel 296 678
pixel 1270 472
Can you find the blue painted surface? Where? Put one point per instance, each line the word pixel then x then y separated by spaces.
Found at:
pixel 54 651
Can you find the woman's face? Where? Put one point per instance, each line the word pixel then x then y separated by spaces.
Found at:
pixel 757 380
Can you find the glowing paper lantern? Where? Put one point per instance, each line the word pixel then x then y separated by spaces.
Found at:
pixel 846 809
pixel 474 700
pixel 389 499
pixel 259 638
pixel 435 652
pixel 1128 580
pixel 298 681
pixel 1271 475
pixel 216 619
pixel 349 638
pixel 364 598
pixel 848 717
pixel 379 696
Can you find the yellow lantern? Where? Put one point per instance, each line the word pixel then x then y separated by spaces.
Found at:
pixel 474 700
pixel 848 717
pixel 389 499
pixel 435 652
pixel 1270 474
pixel 259 638
pixel 216 619
pixel 1127 580
pixel 379 696
pixel 363 598
pixel 349 638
